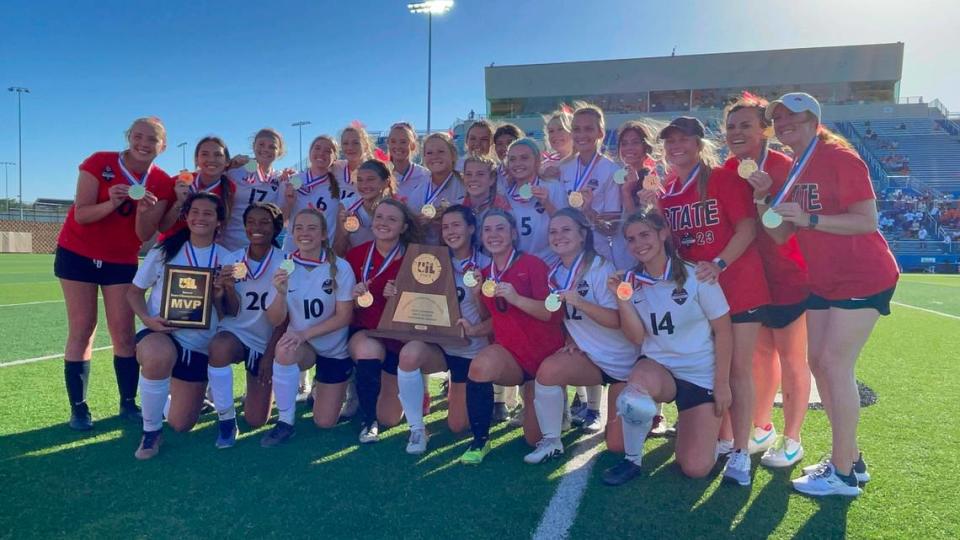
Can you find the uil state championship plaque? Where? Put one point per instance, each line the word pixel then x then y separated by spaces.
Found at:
pixel 187 296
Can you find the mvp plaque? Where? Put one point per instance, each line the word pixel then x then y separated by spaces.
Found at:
pixel 187 296
pixel 425 307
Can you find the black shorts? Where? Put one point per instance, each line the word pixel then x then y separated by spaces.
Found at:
pixel 781 316
pixel 690 395
pixel 459 367
pixel 75 267
pixel 333 370
pixel 756 314
pixel 249 357
pixel 191 366
pixel 607 379
pixel 879 302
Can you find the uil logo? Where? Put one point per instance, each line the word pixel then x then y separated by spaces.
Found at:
pixel 188 283
pixel 107 173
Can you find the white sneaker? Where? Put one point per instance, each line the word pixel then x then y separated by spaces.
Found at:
pixel 369 433
pixel 737 468
pixel 351 404
pixel 546 450
pixel 417 443
pixel 824 481
pixel 724 447
pixel 859 468
pixel 762 439
pixel 784 453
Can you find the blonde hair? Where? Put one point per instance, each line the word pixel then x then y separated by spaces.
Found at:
pixel 583 107
pixel 411 134
pixel 152 121
pixel 326 245
pixel 332 178
pixel 562 117
pixel 273 134
pixel 484 124
pixel 366 146
pixel 445 139
pixel 488 164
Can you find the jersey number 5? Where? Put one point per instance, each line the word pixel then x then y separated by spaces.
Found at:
pixel 666 323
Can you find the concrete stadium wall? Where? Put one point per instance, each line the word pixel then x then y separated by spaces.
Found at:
pixel 44 234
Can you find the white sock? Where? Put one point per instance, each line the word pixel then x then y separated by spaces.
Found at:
pixel 594 397
pixel 582 393
pixel 498 393
pixel 153 396
pixel 221 386
pixel 511 396
pixel 548 402
pixel 634 435
pixel 411 396
pixel 286 379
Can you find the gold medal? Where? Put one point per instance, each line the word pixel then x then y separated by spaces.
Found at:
pixel 288 266
pixel 239 270
pixel 771 219
pixel 746 168
pixel 365 300
pixel 137 192
pixel 250 166
pixel 651 182
pixel 575 199
pixel 620 176
pixel 352 224
pixel 624 291
pixel 296 182
pixel 428 211
pixel 470 279
pixel 552 302
pixel 185 176
pixel 525 191
pixel 489 288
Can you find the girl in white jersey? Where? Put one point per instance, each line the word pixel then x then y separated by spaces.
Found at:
pixel 683 327
pixel 316 187
pixel 458 226
pixel 357 148
pixel 244 333
pixel 315 296
pixel 255 181
pixel 597 352
pixel 445 187
pixel 532 199
pixel 165 352
pixel 373 184
pixel 402 146
pixel 557 126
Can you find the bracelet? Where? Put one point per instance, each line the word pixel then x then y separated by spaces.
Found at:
pixel 764 201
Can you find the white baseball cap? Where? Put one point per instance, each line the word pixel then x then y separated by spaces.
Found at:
pixel 796 102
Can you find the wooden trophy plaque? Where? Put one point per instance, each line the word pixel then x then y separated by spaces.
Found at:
pixel 425 307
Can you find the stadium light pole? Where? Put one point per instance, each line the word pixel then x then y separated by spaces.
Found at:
pixel 431 8
pixel 183 153
pixel 299 125
pixel 20 91
pixel 6 183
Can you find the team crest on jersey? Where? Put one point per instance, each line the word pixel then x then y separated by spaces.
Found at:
pixel 679 296
pixel 327 286
pixel 583 287
pixel 539 207
pixel 108 174
pixel 687 240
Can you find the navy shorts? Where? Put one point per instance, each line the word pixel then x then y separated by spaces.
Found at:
pixel 749 315
pixel 782 316
pixel 333 370
pixel 879 302
pixel 459 367
pixel 191 366
pixel 690 395
pixel 607 379
pixel 76 267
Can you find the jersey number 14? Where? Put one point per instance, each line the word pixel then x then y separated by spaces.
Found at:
pixel 665 324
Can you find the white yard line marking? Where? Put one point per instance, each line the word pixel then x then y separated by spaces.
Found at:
pixel 918 308
pixel 48 357
pixel 562 510
pixel 33 303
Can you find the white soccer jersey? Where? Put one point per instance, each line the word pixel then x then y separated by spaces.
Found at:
pixel 311 299
pixel 533 222
pixel 452 193
pixel 150 276
pixel 318 196
pixel 250 188
pixel 606 196
pixel 677 321
pixel 410 180
pixel 606 347
pixel 348 185
pixel 468 310
pixel 250 324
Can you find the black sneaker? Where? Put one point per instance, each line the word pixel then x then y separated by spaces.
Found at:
pixel 281 433
pixel 129 411
pixel 860 470
pixel 149 444
pixel 500 413
pixel 621 473
pixel 226 433
pixel 80 418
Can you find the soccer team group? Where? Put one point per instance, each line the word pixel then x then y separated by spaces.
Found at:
pixel 656 273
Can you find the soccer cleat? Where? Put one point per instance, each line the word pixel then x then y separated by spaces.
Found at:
pixel 417 443
pixel 823 482
pixel 279 434
pixel 737 468
pixel 546 450
pixel 350 407
pixel 724 447
pixel 660 427
pixel 304 392
pixel 762 439
pixel 80 418
pixel 621 473
pixel 500 413
pixel 516 419
pixel 129 411
pixel 445 387
pixel 784 453
pixel 226 433
pixel 577 407
pixel 369 433
pixel 859 468
pixel 591 421
pixel 149 444
pixel 475 453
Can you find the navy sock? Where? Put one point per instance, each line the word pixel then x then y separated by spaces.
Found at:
pixel 479 409
pixel 75 376
pixel 368 387
pixel 128 375
pixel 848 479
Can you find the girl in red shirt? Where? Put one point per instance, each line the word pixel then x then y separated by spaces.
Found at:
pixel 97 252
pixel 832 208
pixel 211 157
pixel 782 341
pixel 512 291
pixel 376 264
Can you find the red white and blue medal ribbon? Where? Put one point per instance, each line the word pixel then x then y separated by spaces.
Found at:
pixel 258 176
pixel 496 276
pixel 470 263
pixel 431 194
pixel 191 254
pixel 346 174
pixel 197 187
pixel 676 188
pixel 261 268
pixel 795 171
pixel 552 282
pixel 309 263
pixel 406 174
pixel 368 263
pixel 352 210
pixel 308 185
pixel 514 191
pixel 131 179
pixel 642 277
pixel 583 174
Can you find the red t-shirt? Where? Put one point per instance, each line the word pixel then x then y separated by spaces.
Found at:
pixel 841 266
pixel 702 228
pixel 369 317
pixel 114 238
pixel 527 338
pixel 180 224
pixel 783 264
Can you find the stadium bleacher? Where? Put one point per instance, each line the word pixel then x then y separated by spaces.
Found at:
pixel 921 148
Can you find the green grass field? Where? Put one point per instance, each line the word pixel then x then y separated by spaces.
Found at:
pixel 57 483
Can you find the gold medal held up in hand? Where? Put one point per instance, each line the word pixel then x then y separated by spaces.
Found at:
pixel 624 291
pixel 651 182
pixel 575 199
pixel 185 176
pixel 552 302
pixel 365 300
pixel 352 224
pixel 470 278
pixel 239 270
pixel 489 288
pixel 428 211
pixel 746 168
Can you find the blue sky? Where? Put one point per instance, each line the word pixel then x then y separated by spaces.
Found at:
pixel 232 67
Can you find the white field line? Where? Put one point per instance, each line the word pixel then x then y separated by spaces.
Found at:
pixel 918 308
pixel 562 510
pixel 33 303
pixel 48 357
